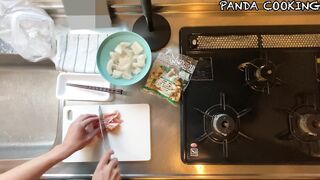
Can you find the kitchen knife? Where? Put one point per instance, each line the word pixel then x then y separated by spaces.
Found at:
pixel 102 129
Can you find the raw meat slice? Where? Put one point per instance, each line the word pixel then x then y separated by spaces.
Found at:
pixel 112 121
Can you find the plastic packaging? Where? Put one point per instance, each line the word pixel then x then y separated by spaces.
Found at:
pixel 170 75
pixel 28 29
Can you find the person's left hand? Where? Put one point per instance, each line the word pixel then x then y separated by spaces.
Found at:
pixel 80 133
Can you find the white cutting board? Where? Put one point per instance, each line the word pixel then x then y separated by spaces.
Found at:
pixel 131 142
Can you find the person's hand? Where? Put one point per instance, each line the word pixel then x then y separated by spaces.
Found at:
pixel 107 169
pixel 80 133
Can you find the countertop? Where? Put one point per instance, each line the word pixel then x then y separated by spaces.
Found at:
pixel 165 119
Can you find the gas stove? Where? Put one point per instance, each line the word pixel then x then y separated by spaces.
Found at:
pixel 254 97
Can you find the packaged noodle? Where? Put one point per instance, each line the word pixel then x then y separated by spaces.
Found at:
pixel 170 75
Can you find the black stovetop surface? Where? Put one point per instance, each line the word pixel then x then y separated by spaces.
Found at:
pixel 266 124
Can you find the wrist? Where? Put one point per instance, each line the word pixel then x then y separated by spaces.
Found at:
pixel 62 151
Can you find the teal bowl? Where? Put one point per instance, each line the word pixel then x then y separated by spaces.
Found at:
pixel 109 44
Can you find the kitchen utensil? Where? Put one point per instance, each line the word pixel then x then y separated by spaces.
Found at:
pixel 73 93
pixel 102 128
pixel 96 88
pixel 109 44
pixel 130 142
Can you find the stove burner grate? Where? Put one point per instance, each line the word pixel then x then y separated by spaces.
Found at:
pixel 260 74
pixel 304 123
pixel 222 124
pixel 303 120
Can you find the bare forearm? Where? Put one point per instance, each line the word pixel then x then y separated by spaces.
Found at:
pixel 79 134
pixel 33 169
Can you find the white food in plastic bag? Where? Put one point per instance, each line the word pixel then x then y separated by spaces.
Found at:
pixel 28 29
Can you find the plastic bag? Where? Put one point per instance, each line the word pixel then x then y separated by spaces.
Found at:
pixel 28 29
pixel 170 75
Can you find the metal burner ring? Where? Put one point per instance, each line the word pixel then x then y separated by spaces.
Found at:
pixel 223 124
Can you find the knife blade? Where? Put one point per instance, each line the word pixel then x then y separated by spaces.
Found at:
pixel 102 128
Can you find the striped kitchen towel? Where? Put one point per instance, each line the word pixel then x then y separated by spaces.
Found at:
pixel 77 52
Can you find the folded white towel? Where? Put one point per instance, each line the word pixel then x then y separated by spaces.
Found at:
pixel 77 52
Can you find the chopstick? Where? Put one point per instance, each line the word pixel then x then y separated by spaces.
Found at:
pixel 96 88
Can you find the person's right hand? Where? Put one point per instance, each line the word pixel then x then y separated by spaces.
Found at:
pixel 107 169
